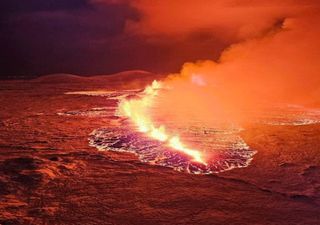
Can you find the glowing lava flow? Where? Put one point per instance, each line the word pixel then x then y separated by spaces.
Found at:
pixel 136 110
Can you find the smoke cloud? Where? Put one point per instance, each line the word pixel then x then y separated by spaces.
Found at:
pixel 274 56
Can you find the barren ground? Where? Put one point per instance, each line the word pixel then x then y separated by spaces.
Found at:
pixel 50 175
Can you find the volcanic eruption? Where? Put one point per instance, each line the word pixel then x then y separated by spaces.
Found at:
pixel 136 110
pixel 160 112
pixel 252 77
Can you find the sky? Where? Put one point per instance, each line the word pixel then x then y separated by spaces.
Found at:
pixel 90 37
pixel 87 38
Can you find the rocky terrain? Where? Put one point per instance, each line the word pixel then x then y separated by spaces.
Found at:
pixel 49 173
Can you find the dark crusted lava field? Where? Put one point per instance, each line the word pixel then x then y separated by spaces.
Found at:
pixel 51 172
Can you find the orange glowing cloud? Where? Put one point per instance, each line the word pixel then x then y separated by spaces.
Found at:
pixel 274 62
pixel 225 19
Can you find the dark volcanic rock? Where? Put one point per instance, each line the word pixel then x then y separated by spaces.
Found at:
pixel 16 165
pixel 4 188
pixel 49 174
pixel 30 180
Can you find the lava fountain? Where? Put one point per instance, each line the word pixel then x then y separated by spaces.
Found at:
pixel 162 132
pixel 137 111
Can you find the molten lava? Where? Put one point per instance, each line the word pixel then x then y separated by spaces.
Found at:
pixel 137 111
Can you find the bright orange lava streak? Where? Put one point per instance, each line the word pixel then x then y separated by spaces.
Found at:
pixel 136 110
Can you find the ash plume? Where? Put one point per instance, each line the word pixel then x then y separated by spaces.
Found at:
pixel 273 57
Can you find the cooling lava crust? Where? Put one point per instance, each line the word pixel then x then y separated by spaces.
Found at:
pixel 50 174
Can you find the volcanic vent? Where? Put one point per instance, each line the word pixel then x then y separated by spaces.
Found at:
pixel 136 123
pixel 190 146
